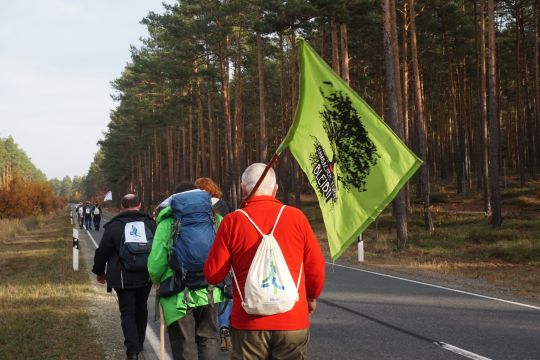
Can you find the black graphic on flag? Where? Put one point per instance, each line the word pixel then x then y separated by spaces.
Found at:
pixel 353 152
pixel 323 172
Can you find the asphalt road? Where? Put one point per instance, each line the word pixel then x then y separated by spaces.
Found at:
pixel 369 315
pixel 366 315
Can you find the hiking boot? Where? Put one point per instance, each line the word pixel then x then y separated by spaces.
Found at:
pixel 132 357
pixel 225 336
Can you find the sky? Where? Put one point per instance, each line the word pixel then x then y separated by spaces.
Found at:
pixel 57 59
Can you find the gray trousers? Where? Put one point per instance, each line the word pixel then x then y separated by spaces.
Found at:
pixel 194 336
pixel 269 344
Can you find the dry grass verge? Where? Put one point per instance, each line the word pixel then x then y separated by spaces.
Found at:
pixel 42 300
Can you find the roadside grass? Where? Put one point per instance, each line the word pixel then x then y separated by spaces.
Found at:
pixel 462 244
pixel 42 300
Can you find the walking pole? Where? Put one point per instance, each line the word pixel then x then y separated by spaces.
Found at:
pixel 156 305
pixel 161 334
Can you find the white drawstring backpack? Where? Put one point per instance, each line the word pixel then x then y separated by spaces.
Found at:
pixel 269 287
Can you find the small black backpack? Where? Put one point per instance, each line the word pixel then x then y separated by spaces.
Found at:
pixel 135 246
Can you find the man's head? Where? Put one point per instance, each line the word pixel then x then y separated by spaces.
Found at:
pixel 252 174
pixel 131 202
pixel 184 186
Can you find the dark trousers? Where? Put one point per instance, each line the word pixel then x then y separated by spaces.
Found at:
pixel 194 336
pixel 80 219
pixel 97 220
pixel 88 222
pixel 134 316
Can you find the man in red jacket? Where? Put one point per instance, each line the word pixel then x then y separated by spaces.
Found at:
pixel 283 335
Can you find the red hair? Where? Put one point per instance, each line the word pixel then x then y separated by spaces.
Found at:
pixel 209 186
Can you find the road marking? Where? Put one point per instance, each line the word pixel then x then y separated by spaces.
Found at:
pixel 92 238
pixel 150 335
pixel 440 344
pixel 461 351
pixel 438 286
pixel 153 339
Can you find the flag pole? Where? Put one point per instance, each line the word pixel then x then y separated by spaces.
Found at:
pixel 256 187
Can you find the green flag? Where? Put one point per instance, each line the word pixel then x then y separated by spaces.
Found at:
pixel 353 160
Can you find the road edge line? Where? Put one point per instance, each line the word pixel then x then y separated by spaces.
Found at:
pixel 437 286
pixel 462 352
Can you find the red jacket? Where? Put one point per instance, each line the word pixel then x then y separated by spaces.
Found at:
pixel 235 245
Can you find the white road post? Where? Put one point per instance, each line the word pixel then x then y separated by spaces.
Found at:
pixel 75 249
pixel 360 248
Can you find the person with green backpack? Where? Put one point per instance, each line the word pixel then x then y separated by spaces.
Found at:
pixel 188 302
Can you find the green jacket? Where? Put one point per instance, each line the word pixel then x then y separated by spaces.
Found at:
pixel 176 306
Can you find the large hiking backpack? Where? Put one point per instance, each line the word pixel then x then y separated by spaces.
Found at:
pixel 135 245
pixel 97 211
pixel 269 287
pixel 193 235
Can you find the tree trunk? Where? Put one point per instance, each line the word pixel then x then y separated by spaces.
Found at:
pixel 284 104
pixel 537 79
pixel 238 116
pixel 191 153
pixel 406 91
pixel 395 56
pixel 211 135
pixel 185 174
pixel 156 173
pixel 262 106
pixel 526 106
pixel 483 112
pixel 201 146
pixel 391 116
pixel 294 100
pixel 229 156
pixel 170 158
pixel 520 113
pixel 344 53
pixel 420 123
pixel 493 123
pixel 335 46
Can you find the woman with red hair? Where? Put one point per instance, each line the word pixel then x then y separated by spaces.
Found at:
pixel 221 208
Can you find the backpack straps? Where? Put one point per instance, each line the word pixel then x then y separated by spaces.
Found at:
pixel 237 286
pixel 262 234
pixel 255 225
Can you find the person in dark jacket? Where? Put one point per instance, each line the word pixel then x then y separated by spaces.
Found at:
pixel 88 215
pixel 131 287
pixel 96 216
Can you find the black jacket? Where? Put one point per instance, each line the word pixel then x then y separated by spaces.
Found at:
pixel 89 213
pixel 109 248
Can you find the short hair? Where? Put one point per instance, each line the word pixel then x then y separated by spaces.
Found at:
pixel 252 174
pixel 184 186
pixel 130 201
pixel 209 186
